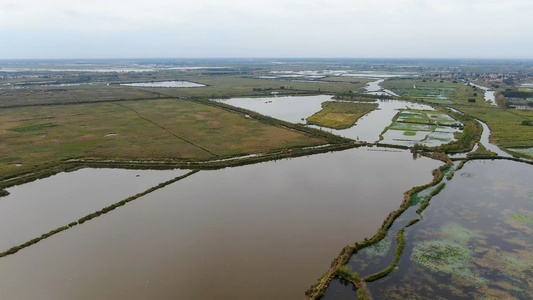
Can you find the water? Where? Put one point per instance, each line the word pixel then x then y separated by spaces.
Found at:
pixel 490 95
pixel 179 84
pixel 482 226
pixel 291 109
pixel 369 127
pixel 485 140
pixel 294 109
pixel 375 88
pixel 39 207
pixel 340 289
pixel 264 231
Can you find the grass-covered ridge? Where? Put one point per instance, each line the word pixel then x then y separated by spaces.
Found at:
pixel 340 115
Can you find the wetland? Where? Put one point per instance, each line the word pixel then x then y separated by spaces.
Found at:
pixel 120 181
pixel 235 230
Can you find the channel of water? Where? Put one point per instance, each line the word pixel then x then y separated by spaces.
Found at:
pixel 297 109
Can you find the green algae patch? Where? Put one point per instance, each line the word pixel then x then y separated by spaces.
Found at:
pixel 441 256
pixel 458 233
pixel 409 133
pixel 514 269
pixel 522 218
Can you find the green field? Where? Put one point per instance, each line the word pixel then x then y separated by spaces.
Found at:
pixel 36 137
pixel 505 124
pixel 340 115
pixel 434 91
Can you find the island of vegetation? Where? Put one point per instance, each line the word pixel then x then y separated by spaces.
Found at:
pixel 340 115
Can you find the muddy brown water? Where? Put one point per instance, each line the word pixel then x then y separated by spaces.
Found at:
pixel 264 231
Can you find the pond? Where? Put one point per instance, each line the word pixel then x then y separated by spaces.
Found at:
pixel 263 231
pixel 36 208
pixel 174 83
pixel 474 240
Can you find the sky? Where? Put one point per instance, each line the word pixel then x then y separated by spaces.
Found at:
pixel 40 29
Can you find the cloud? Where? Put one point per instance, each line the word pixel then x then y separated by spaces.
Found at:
pixel 260 27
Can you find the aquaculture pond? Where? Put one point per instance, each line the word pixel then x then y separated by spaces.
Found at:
pixel 428 128
pixel 298 109
pixel 263 231
pixel 475 239
pixel 44 205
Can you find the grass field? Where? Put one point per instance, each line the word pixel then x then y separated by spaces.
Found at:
pixel 435 91
pixel 72 94
pixel 340 115
pixel 236 86
pixel 34 137
pixel 505 124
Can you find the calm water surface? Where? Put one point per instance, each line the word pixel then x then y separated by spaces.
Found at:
pixel 294 109
pixel 264 231
pixel 490 95
pixel 475 239
pixel 38 207
pixel 180 84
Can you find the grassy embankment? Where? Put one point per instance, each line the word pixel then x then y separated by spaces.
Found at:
pixel 340 115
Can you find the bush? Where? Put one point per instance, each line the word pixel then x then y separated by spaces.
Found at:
pixel 527 123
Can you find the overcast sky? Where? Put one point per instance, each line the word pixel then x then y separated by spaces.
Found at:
pixel 266 28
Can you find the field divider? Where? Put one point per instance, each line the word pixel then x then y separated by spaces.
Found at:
pixel 167 130
pixel 88 217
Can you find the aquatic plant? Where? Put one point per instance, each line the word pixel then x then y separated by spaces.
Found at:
pixel 380 248
pixel 415 199
pixel 450 176
pixel 343 271
pixel 397 254
pixel 434 192
pixel 447 257
pixel 412 222
pixel 522 218
pixel 458 233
